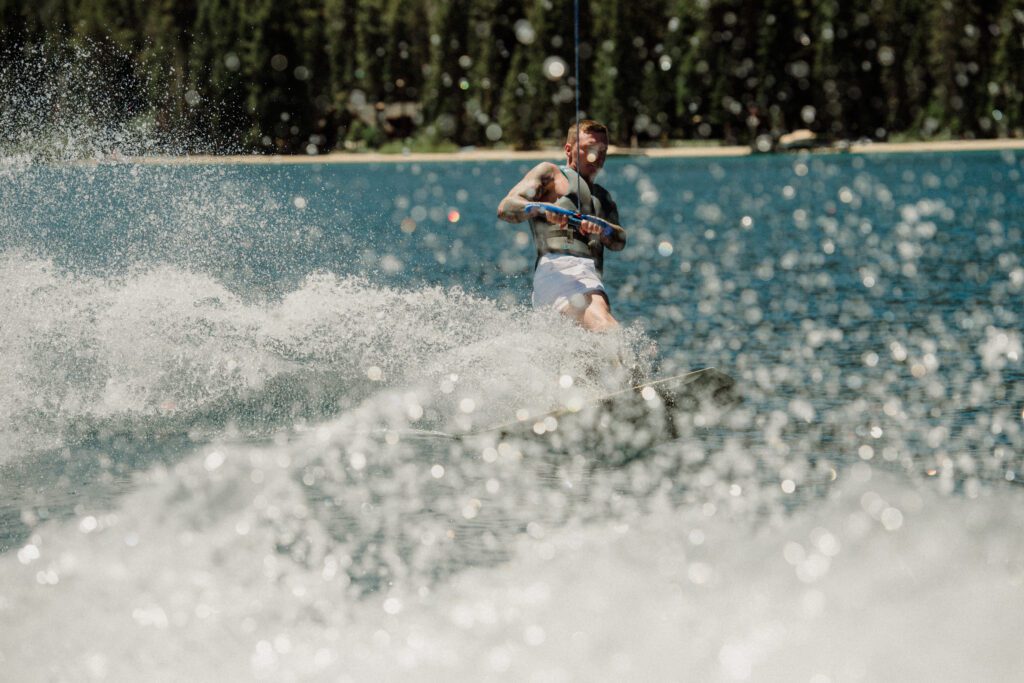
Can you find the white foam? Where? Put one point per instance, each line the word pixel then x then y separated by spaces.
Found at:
pixel 212 573
pixel 164 341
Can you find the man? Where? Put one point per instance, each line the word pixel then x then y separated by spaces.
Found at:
pixel 567 273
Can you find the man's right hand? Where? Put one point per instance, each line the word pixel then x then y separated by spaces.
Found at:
pixel 559 219
pixel 540 210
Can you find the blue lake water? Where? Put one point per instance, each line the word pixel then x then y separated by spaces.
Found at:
pixel 218 380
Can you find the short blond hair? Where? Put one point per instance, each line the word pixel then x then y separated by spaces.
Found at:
pixel 585 126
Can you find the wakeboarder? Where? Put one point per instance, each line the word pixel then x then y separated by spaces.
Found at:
pixel 570 253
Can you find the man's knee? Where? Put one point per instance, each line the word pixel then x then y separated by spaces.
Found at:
pixel 597 315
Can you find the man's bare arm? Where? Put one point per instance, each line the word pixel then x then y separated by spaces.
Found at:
pixel 536 186
pixel 617 240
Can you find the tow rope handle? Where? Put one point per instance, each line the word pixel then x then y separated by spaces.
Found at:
pixel 575 217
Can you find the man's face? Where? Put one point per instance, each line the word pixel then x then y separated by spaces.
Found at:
pixel 594 149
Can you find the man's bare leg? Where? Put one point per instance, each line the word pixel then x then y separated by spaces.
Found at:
pixel 592 313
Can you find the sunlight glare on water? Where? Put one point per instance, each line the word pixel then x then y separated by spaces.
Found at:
pixel 227 419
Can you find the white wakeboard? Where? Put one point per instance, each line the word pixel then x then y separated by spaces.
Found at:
pixel 702 396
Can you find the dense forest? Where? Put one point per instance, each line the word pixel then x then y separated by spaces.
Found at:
pixel 309 76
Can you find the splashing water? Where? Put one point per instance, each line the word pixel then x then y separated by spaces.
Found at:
pixel 226 419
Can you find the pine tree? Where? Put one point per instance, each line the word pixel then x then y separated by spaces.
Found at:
pixel 903 37
pixel 285 74
pixel 690 88
pixel 523 106
pixel 616 68
pixel 448 84
pixel 492 37
pixel 960 66
pixel 339 49
pixel 1007 89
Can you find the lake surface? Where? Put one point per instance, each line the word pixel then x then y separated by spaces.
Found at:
pixel 221 382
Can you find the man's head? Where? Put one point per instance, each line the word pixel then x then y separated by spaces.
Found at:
pixel 593 147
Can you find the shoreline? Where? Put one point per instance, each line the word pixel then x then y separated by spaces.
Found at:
pixel 694 152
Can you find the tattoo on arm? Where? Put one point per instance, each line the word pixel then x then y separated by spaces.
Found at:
pixel 534 187
pixel 512 209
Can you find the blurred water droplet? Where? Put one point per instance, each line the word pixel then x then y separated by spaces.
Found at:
pixel 554 67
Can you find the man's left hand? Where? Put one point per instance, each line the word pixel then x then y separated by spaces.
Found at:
pixel 591 228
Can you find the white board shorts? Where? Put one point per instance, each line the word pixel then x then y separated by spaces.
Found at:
pixel 561 280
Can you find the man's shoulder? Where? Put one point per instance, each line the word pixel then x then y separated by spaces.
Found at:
pixel 609 209
pixel 601 191
pixel 545 168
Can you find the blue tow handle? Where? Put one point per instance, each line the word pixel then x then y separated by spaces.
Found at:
pixel 575 218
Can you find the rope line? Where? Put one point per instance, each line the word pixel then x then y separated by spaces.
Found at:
pixel 576 44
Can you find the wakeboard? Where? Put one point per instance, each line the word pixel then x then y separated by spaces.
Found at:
pixel 660 409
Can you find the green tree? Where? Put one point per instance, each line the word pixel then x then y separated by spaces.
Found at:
pixel 690 81
pixel 903 36
pixel 616 68
pixel 1007 85
pixel 447 83
pixel 522 105
pixel 960 63
pixel 289 74
pixel 492 35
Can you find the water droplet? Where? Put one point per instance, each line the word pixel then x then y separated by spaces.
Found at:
pixel 555 67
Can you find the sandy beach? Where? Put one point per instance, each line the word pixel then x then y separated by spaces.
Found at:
pixel 556 152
